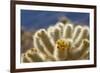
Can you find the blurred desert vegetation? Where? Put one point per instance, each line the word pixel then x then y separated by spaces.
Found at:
pixel 26 40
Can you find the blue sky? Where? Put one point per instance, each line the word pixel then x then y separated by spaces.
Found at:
pixel 32 19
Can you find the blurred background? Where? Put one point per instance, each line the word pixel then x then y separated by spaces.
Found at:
pixel 34 20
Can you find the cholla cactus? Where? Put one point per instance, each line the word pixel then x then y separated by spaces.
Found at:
pixel 60 42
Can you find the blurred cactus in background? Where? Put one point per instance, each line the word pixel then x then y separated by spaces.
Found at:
pixel 60 42
pixel 26 40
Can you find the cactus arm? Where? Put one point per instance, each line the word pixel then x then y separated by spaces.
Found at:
pixel 67 31
pixel 76 52
pixel 56 33
pixel 50 32
pixel 32 55
pixel 76 32
pixel 46 40
pixel 83 34
pixel 37 43
pixel 61 26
